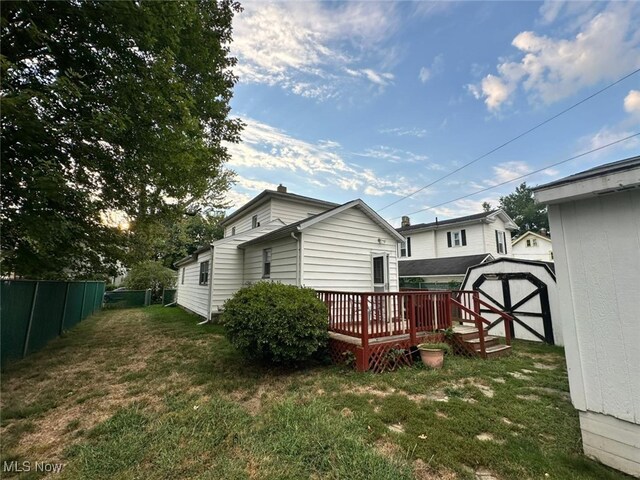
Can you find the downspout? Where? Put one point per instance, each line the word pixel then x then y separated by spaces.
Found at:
pixel 298 259
pixel 210 285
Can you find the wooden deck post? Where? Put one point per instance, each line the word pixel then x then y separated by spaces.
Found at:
pixel 364 329
pixel 413 334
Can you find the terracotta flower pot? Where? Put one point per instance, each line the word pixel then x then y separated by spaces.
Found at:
pixel 433 357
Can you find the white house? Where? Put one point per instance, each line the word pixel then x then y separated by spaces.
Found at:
pixel 292 239
pixel 532 246
pixel 440 252
pixel 595 219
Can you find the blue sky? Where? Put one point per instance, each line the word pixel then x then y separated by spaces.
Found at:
pixel 374 100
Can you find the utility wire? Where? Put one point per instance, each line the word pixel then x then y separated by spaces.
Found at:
pixel 526 175
pixel 512 140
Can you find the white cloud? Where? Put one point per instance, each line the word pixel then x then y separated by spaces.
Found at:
pixel 605 48
pixel 424 75
pixel 632 102
pixel 313 48
pixel 403 132
pixel 267 149
pixel 437 66
pixel 607 135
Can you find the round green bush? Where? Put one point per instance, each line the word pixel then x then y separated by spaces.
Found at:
pixel 276 323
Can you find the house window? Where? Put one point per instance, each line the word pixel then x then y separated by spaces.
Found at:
pixel 266 263
pixel 551 254
pixel 534 242
pixel 183 269
pixel 204 273
pixel 405 248
pixel 528 243
pixel 501 242
pixel 233 230
pixel 457 238
pixel 254 221
pixel 378 270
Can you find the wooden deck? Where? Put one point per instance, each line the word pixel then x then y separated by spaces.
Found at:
pixel 369 325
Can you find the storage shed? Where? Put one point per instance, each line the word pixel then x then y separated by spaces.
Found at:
pixel 595 220
pixel 526 290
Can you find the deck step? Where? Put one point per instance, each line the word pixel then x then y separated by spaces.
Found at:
pixel 489 341
pixel 498 351
pixel 466 333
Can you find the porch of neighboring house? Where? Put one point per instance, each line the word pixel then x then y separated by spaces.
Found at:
pixel 380 331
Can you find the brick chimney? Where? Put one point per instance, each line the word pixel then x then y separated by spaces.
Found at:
pixel 405 222
pixel 282 189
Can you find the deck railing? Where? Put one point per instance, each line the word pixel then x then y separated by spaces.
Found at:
pixel 383 314
pixel 375 315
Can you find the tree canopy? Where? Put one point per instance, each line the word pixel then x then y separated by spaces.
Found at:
pixel 109 106
pixel 523 209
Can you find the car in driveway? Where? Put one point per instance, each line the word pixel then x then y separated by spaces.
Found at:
pixel 116 295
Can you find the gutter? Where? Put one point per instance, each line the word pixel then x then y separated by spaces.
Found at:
pixel 300 257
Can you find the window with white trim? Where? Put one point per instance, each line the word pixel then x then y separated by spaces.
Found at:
pixel 233 230
pixel 501 242
pixel 266 263
pixel 405 248
pixel 204 273
pixel 457 238
pixel 254 221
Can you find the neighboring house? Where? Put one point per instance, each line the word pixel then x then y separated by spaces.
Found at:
pixel 533 246
pixel 595 219
pixel 288 238
pixel 464 241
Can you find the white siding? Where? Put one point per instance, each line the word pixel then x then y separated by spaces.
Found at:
pixel 228 264
pixel 191 295
pixel 338 253
pixel 597 257
pixel 284 258
pixel 612 441
pixel 541 251
pixel 290 212
pixel 243 223
pixel 481 238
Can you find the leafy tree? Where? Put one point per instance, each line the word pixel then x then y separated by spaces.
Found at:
pixel 486 206
pixel 109 106
pixel 151 275
pixel 523 209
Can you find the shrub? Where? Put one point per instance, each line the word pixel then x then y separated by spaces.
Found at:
pixel 435 346
pixel 152 275
pixel 276 323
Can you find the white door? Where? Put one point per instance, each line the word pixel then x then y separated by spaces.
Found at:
pixel 380 273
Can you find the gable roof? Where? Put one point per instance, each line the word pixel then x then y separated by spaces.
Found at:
pixel 549 266
pixel 532 234
pixel 268 195
pixel 440 266
pixel 485 217
pixel 312 220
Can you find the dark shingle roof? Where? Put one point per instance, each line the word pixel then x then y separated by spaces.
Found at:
pixel 468 218
pixel 268 194
pixel 440 266
pixel 607 168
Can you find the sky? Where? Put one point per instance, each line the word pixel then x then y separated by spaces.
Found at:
pixel 374 100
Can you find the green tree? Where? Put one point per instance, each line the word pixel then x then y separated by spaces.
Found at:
pixel 109 106
pixel 152 275
pixel 486 206
pixel 523 209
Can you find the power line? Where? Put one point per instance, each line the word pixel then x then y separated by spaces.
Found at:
pixel 512 140
pixel 525 175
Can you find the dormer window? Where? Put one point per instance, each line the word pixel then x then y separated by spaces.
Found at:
pixel 254 221
pixel 457 238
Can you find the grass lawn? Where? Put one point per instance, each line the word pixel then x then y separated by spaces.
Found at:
pixel 146 393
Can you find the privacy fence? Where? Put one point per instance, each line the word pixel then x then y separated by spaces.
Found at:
pixel 34 312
